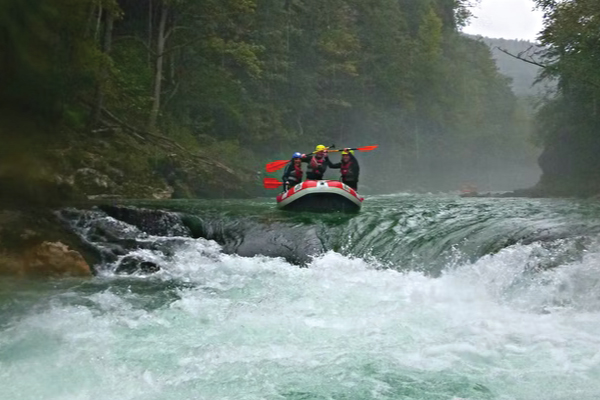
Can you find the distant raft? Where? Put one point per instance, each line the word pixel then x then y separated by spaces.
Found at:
pixel 320 196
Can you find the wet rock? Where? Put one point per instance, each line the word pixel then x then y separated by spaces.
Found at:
pixel 116 174
pixel 33 240
pixel 114 239
pixel 163 194
pixel 92 182
pixel 54 259
pixel 247 238
pixel 153 222
pixel 131 265
pixel 105 197
pixel 109 237
pixel 64 180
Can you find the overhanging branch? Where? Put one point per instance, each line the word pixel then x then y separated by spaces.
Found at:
pixel 544 66
pixel 520 57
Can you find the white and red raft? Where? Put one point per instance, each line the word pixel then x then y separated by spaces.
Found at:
pixel 320 196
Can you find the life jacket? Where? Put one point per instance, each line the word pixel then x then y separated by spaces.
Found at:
pixel 295 174
pixel 347 172
pixel 316 165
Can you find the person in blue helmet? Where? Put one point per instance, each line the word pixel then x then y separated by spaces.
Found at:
pixel 292 175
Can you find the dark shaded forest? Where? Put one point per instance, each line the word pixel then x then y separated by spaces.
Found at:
pixel 569 121
pixel 190 98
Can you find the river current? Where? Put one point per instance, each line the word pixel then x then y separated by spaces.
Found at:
pixel 416 297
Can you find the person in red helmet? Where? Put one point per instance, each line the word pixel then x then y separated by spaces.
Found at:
pixel 349 168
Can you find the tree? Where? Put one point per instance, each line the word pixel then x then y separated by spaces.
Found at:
pixel 569 121
pixel 47 60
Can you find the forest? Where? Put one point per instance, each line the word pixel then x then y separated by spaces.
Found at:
pixel 190 98
pixel 525 83
pixel 569 120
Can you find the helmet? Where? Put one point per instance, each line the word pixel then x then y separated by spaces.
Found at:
pixel 320 148
pixel 297 155
pixel 347 152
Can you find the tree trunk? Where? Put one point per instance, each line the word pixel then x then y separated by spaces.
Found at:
pixel 98 20
pixel 158 73
pixel 150 23
pixel 418 176
pixel 172 68
pixel 106 48
pixel 90 20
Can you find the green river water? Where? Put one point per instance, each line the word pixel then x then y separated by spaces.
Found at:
pixel 416 297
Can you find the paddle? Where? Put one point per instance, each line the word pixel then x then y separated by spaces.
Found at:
pixel 277 165
pixel 365 148
pixel 271 183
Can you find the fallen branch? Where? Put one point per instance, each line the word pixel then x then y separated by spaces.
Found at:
pixel 143 135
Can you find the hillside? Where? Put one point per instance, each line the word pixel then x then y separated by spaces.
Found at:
pixel 523 75
pixel 123 98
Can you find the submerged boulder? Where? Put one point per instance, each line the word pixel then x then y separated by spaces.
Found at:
pixel 131 265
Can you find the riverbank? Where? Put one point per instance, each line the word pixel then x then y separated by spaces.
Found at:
pixel 35 243
pixel 45 166
pixel 51 165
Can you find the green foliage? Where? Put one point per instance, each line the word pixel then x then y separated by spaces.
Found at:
pixel 568 122
pixel 524 75
pixel 46 58
pixel 131 74
pixel 267 77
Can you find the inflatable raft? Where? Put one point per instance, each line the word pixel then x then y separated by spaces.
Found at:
pixel 320 196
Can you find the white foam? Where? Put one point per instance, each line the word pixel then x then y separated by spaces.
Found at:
pixel 256 328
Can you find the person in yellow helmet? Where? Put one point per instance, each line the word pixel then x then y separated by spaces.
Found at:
pixel 349 168
pixel 317 163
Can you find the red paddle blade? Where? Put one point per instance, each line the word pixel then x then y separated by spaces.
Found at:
pixel 271 183
pixel 276 165
pixel 366 148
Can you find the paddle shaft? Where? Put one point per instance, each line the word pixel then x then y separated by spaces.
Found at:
pixel 277 165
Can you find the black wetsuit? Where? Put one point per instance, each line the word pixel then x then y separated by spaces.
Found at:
pixel 291 175
pixel 350 171
pixel 316 167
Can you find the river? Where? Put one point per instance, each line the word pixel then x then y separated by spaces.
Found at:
pixel 416 297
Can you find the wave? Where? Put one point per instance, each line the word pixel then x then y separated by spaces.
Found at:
pixel 425 234
pixel 214 325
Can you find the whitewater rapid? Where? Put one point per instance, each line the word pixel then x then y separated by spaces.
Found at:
pixel 213 326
